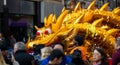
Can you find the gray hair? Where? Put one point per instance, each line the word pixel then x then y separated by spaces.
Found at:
pixel 20 46
pixel 117 40
pixel 46 49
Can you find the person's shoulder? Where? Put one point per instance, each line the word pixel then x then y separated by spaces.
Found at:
pixel 68 59
pixel 116 53
pixel 25 55
pixel 45 61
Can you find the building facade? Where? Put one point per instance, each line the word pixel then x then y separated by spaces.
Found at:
pixel 99 3
pixel 18 17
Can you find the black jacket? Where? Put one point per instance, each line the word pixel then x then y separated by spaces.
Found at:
pixel 23 57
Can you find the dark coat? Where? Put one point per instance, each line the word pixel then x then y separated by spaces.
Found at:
pixel 116 58
pixel 23 57
pixel 65 60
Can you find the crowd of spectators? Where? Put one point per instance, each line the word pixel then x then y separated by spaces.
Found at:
pixel 55 54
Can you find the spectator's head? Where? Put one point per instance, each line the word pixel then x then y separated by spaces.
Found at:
pixel 77 57
pixel 59 46
pixel 19 46
pixel 56 57
pixel 99 55
pixel 45 52
pixel 117 43
pixel 37 48
pixel 78 40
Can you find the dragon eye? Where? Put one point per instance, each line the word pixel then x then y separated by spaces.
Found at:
pixel 39 32
pixel 47 31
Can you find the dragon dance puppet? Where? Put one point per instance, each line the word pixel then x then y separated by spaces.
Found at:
pixel 97 26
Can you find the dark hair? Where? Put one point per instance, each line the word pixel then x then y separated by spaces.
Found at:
pixel 79 39
pixel 77 57
pixel 103 54
pixel 71 64
pixel 58 43
pixel 37 48
pixel 56 53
